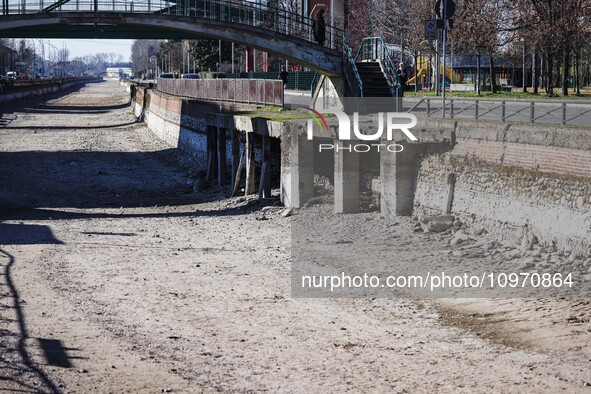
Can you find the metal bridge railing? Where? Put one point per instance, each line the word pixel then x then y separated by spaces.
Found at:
pixel 351 71
pixel 530 111
pixel 235 11
pixel 375 49
pixel 247 91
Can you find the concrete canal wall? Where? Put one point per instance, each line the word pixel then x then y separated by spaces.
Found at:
pixel 524 180
pixel 39 89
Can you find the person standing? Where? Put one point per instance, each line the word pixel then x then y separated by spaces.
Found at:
pixel 402 76
pixel 319 28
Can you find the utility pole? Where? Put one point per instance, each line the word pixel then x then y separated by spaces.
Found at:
pixel 63 59
pixel 444 9
pixel 444 55
pixel 534 75
pixel 232 57
pixel 437 70
pixel 219 56
pixel 42 57
pixel 524 76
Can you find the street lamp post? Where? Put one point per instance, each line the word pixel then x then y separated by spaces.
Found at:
pixel 42 43
pixel 219 56
pixel 154 71
pixel 445 16
pixel 55 51
pixel 523 69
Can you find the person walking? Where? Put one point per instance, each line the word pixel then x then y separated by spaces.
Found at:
pixel 284 76
pixel 319 28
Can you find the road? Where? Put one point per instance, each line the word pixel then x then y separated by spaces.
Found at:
pixel 117 278
pixel 577 112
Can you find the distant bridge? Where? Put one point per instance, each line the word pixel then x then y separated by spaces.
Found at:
pixel 269 29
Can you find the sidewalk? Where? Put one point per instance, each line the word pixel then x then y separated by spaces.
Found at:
pixel 297 98
pixel 542 111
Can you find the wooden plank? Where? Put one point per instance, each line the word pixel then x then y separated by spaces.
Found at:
pixel 250 187
pixel 235 155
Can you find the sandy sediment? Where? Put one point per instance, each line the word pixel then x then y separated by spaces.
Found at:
pixel 117 277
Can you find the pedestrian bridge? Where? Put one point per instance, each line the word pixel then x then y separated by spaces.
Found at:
pixel 273 30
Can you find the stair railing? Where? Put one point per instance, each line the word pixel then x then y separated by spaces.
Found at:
pixel 375 49
pixel 351 71
pixel 314 83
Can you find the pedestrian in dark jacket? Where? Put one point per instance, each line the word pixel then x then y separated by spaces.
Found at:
pixel 284 76
pixel 402 76
pixel 319 28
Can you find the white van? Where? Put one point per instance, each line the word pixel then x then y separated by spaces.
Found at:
pixel 11 75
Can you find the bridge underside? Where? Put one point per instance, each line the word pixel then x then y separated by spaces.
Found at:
pixel 145 26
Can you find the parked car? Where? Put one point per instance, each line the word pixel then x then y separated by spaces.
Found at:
pixel 190 76
pixel 167 76
pixel 11 75
pixel 6 82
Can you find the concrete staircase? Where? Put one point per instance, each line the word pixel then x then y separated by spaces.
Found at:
pixel 374 81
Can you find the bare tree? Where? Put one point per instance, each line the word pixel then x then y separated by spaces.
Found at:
pixel 483 27
pixel 63 55
pixel 419 11
pixel 559 29
pixel 142 51
pixel 359 24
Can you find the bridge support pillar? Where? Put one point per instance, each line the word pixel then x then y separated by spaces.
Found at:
pixel 398 172
pixel 265 182
pixel 297 170
pixel 346 178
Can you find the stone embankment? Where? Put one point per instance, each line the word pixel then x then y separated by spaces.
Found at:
pixel 525 183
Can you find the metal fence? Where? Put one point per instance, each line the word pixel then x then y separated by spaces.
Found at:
pixel 298 80
pixel 247 91
pixel 241 12
pixel 11 86
pixel 572 112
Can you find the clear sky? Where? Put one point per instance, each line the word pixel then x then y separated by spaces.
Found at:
pixel 90 47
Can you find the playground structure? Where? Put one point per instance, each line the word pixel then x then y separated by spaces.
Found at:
pixel 423 67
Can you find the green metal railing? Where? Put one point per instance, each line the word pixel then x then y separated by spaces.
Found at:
pixel 298 80
pixel 375 49
pixel 240 12
pixel 351 71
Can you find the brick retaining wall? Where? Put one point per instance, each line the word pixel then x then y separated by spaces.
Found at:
pixel 520 175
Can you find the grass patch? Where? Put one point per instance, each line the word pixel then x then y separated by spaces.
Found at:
pixel 277 114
